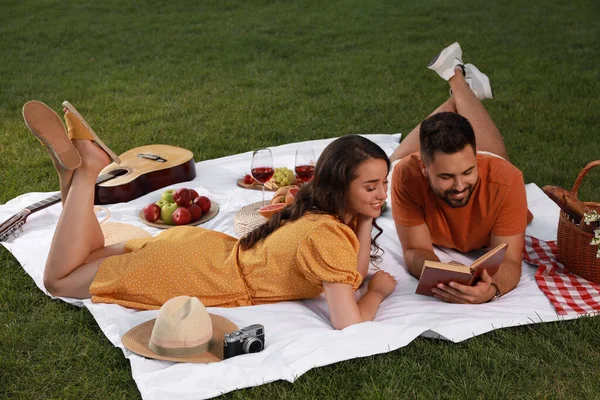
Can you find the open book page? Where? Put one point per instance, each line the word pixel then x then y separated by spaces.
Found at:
pixel 446 255
pixel 443 254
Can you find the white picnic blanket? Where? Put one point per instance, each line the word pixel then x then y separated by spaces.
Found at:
pixel 298 334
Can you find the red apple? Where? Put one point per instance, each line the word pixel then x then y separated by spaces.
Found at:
pixel 152 212
pixel 193 194
pixel 182 197
pixel 196 211
pixel 203 202
pixel 182 216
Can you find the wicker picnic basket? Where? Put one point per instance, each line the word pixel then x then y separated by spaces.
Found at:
pixel 574 249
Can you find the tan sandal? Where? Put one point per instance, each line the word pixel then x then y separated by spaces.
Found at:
pixel 48 128
pixel 79 129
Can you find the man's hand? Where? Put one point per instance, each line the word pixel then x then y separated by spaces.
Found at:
pixel 382 283
pixel 482 292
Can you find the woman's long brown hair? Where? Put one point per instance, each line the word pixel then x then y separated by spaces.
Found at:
pixel 327 192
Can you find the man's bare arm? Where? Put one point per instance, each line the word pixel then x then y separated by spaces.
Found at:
pixel 416 246
pixel 509 273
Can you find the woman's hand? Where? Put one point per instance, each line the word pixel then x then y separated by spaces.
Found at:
pixel 344 310
pixel 383 283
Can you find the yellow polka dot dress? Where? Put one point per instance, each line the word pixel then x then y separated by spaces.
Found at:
pixel 290 264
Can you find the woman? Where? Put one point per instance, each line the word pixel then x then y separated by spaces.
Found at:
pixel 320 243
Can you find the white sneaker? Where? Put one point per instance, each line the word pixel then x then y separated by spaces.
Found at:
pixel 479 82
pixel 445 62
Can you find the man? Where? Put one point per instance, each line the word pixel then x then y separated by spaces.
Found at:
pixel 453 185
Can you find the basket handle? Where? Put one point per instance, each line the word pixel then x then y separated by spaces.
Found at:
pixel 582 175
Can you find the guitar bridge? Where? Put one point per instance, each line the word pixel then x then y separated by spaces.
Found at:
pixel 150 156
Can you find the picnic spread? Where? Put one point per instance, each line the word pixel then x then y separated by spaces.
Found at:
pixel 298 335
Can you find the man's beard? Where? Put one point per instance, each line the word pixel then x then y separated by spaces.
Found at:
pixel 446 195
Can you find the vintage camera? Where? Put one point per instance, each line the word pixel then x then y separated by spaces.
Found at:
pixel 250 339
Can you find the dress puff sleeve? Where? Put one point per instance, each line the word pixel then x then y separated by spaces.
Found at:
pixel 330 253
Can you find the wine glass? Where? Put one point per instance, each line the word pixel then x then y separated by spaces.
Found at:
pixel 305 164
pixel 262 168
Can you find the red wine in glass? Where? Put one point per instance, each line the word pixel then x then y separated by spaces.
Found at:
pixel 263 174
pixel 262 168
pixel 305 164
pixel 305 172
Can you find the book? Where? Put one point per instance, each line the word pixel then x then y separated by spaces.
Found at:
pixel 437 272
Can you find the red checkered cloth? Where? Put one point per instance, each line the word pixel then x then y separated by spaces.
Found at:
pixel 570 294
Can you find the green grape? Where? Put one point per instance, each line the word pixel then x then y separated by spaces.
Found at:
pixel 283 176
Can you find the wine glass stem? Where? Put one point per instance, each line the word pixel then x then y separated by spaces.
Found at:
pixel 263 194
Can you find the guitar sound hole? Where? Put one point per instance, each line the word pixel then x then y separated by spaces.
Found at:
pixel 118 172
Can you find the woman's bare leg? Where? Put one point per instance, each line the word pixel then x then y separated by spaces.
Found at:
pixel 64 178
pixel 487 135
pixel 410 144
pixel 77 247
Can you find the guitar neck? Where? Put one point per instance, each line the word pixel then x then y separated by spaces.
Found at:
pixel 40 205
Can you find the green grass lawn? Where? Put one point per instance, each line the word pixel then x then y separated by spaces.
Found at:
pixel 224 77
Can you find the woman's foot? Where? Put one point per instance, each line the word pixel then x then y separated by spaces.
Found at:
pixel 78 128
pixel 93 158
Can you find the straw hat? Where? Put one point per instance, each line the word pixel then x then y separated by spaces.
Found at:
pixel 117 232
pixel 183 332
pixel 248 218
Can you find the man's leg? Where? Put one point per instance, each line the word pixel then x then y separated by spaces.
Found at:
pixel 410 144
pixel 469 106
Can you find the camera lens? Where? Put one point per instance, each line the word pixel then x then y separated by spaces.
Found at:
pixel 252 345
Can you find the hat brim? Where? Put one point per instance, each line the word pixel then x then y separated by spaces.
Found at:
pixel 138 337
pixel 117 232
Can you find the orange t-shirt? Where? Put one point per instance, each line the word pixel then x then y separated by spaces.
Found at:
pixel 498 205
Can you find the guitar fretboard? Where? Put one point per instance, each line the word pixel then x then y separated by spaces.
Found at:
pixel 40 205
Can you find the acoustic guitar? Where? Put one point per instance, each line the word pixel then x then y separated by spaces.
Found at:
pixel 142 170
